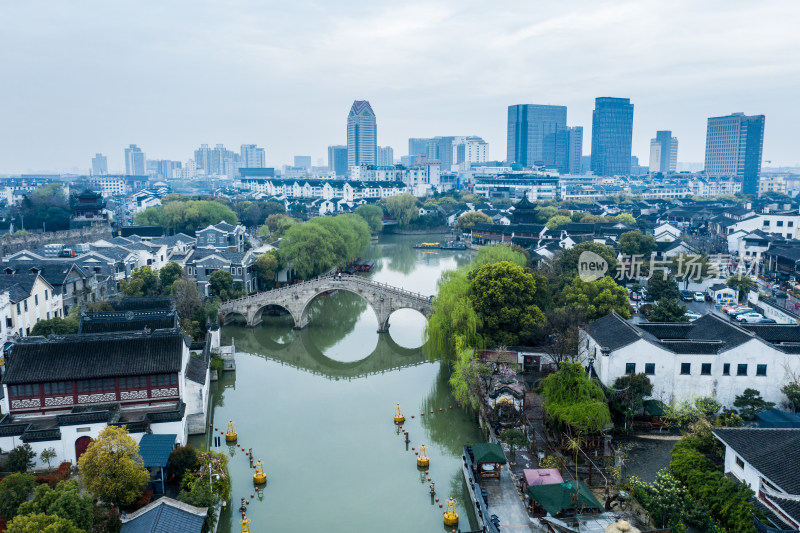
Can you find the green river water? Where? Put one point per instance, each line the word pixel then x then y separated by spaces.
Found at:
pixel 316 406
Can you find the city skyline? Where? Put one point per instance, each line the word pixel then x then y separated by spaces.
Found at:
pixel 625 49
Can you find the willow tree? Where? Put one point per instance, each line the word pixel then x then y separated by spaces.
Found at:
pixel 573 399
pixel 454 324
pixel 497 253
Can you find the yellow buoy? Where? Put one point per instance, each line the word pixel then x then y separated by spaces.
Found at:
pixel 398 417
pixel 422 460
pixel 259 477
pixel 246 525
pixel 230 435
pixel 450 515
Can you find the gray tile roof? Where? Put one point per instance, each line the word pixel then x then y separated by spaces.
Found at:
pixel 165 515
pixel 770 451
pixel 613 332
pixel 196 370
pixel 71 357
pixel 19 286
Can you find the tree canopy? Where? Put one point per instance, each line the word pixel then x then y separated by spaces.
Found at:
pixel 65 501
pixel 266 266
pixel 183 215
pixel 454 323
pixel 572 398
pixel 743 284
pixel 402 207
pixel 503 296
pixel 468 220
pixel 112 469
pixel 497 253
pixel 42 523
pixel 276 225
pixel 556 221
pixel 169 274
pixel 372 215
pixel 323 243
pixel 598 297
pixel 14 489
pixel 221 284
pixel 668 310
pixel 143 282
pixel 637 243
pixel 45 208
pixel 659 288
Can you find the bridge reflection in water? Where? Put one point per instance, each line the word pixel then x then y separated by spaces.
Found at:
pixel 303 353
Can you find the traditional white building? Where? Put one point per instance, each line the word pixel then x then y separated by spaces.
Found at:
pixel 766 459
pixel 61 392
pixel 711 356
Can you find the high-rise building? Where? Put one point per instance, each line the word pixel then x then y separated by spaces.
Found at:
pixel 418 147
pixel 734 144
pixel 362 135
pixel 302 161
pixel 574 150
pixel 537 135
pixel 217 161
pixel 166 169
pixel 385 156
pixel 134 161
pixel 612 136
pixel 664 153
pixel 251 156
pixel 449 150
pixel 202 159
pixel 99 165
pixel 337 160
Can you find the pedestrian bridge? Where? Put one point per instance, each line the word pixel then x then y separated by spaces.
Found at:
pixel 296 299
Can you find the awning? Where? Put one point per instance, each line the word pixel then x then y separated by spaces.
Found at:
pixel 155 449
pixel 542 476
pixel 488 452
pixel 558 498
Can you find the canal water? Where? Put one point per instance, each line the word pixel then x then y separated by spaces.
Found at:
pixel 316 405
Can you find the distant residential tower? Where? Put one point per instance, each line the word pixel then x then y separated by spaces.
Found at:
pixel 251 156
pixel 337 160
pixel 664 153
pixel 134 161
pixel 99 165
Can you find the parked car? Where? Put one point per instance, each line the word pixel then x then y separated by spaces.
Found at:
pixel 692 315
pixel 739 310
pixel 687 296
pixel 764 321
pixel 749 317
pixel 779 294
pixel 699 297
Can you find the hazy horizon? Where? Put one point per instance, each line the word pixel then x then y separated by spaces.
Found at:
pixel 98 76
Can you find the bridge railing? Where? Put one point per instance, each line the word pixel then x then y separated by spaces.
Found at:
pixel 326 278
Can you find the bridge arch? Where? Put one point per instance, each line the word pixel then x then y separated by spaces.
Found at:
pixel 304 318
pixel 383 298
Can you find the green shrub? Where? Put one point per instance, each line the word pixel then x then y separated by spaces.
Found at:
pixel 217 364
pixel 726 499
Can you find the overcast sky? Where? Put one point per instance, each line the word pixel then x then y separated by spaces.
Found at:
pixel 95 76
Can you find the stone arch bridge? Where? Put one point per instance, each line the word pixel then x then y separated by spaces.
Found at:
pixel 296 299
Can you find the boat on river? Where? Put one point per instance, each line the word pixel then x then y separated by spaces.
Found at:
pixel 449 245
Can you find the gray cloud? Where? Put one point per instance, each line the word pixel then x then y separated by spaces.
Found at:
pixel 95 76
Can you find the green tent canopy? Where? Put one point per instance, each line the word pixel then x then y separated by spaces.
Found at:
pixel 557 497
pixel 488 452
pixel 653 407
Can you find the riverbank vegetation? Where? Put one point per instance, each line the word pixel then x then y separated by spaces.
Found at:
pixel 497 300
pixel 315 247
